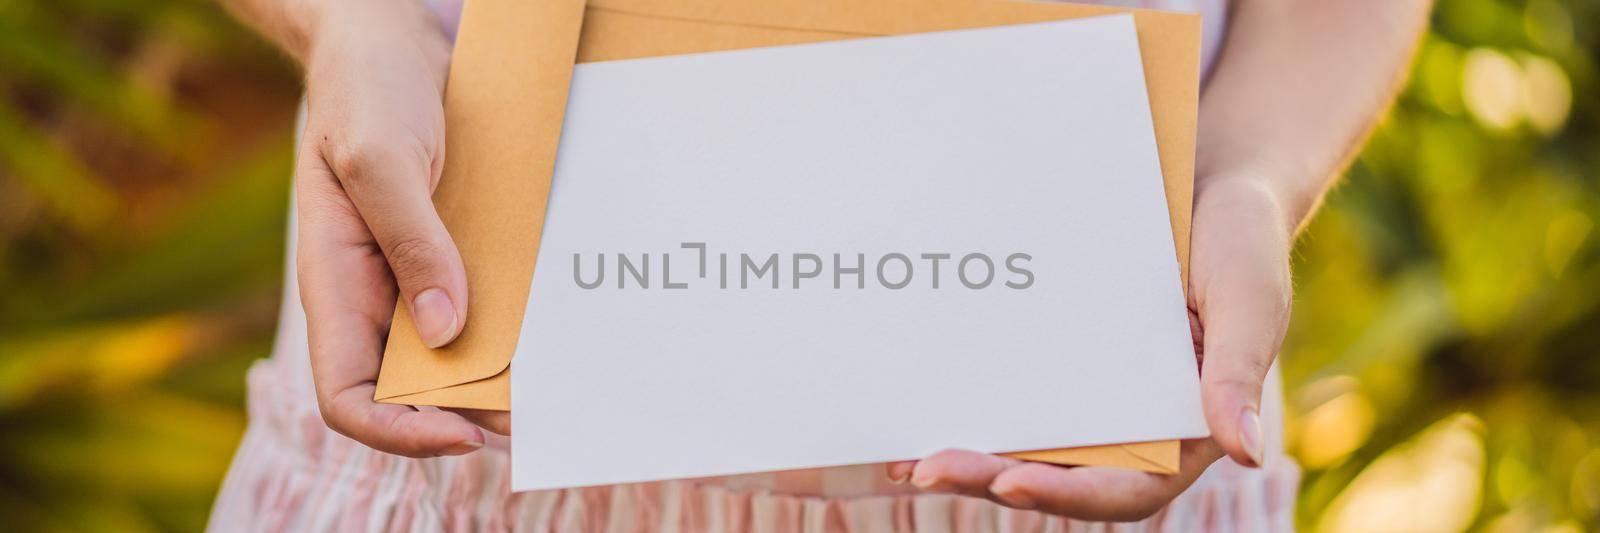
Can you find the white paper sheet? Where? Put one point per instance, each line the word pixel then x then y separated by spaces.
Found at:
pixel 1032 139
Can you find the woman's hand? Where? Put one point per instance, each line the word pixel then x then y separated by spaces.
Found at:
pixel 367 163
pixel 1239 308
pixel 1285 108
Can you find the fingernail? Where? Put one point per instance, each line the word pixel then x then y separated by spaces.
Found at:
pixel 435 317
pixel 923 481
pixel 1011 497
pixel 1250 435
pixel 462 448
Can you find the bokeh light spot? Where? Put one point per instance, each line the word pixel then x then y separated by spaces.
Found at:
pixel 1334 429
pixel 1430 483
pixel 1546 93
pixel 1492 88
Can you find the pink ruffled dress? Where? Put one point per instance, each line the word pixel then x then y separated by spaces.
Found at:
pixel 292 473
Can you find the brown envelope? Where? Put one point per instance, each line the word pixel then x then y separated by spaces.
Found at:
pixel 503 114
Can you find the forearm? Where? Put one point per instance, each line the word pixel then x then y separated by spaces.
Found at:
pixel 297 26
pixel 1298 87
pixel 287 23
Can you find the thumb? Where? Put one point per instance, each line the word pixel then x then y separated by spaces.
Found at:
pixel 391 191
pixel 1243 318
pixel 1241 290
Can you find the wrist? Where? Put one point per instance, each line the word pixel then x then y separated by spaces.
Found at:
pixel 1265 176
pixel 1260 196
pixel 299 20
pixel 317 22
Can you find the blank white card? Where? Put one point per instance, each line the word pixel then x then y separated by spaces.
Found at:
pixel 853 252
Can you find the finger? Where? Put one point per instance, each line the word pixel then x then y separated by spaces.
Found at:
pixel 1243 328
pixel 389 187
pixel 962 472
pixel 899 472
pixel 399 429
pixel 1197 454
pixel 1244 311
pixel 1085 493
pixel 1098 493
pixel 496 421
pixel 348 299
pixel 1198 335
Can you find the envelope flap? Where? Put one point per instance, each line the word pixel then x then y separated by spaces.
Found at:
pixel 1161 457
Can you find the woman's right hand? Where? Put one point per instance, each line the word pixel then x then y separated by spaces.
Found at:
pixel 368 161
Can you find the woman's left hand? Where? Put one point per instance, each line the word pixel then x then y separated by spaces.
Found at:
pixel 1239 294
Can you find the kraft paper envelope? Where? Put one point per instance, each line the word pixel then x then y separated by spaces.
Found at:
pixel 504 108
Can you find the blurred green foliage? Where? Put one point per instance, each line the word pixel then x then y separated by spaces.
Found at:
pixel 1444 357
pixel 144 151
pixel 1443 366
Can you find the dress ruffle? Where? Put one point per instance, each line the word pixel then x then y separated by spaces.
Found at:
pixel 294 474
